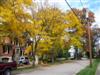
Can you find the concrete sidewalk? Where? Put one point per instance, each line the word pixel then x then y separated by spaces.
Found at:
pixel 98 70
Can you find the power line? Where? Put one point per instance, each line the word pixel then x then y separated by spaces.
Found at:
pixel 82 3
pixel 72 10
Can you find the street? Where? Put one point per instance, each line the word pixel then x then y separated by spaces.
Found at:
pixel 63 69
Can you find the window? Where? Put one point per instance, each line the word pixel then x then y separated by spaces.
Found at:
pixel 7 48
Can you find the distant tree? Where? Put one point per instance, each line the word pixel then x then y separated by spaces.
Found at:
pixel 83 19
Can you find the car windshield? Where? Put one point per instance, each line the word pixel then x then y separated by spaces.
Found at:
pixel 22 58
pixel 4 60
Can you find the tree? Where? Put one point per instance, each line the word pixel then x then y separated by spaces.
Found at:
pixel 83 19
pixel 75 29
pixel 13 16
pixel 15 19
pixel 96 35
pixel 52 24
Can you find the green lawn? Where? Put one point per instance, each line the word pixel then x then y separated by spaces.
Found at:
pixel 88 70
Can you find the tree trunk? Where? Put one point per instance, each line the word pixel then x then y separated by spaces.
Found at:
pixel 52 58
pixel 33 54
pixel 36 60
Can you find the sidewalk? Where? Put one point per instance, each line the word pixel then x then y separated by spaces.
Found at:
pixel 24 66
pixel 98 70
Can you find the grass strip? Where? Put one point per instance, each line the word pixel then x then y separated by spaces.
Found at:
pixel 88 70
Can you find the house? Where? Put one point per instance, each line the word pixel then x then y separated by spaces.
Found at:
pixel 6 47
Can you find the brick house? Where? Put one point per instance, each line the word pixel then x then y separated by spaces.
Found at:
pixel 6 48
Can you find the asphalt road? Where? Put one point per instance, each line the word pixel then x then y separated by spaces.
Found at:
pixel 61 69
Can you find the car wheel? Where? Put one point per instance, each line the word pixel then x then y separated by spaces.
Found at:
pixel 7 72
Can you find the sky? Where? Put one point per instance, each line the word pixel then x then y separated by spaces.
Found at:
pixel 93 5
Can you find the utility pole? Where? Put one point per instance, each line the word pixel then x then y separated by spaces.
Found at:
pixel 88 28
pixel 89 38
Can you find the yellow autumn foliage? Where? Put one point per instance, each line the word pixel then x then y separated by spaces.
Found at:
pixel 49 23
pixel 28 49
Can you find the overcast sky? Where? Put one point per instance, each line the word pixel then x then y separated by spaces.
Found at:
pixel 93 5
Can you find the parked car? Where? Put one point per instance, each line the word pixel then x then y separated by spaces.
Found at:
pixel 7 65
pixel 24 60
